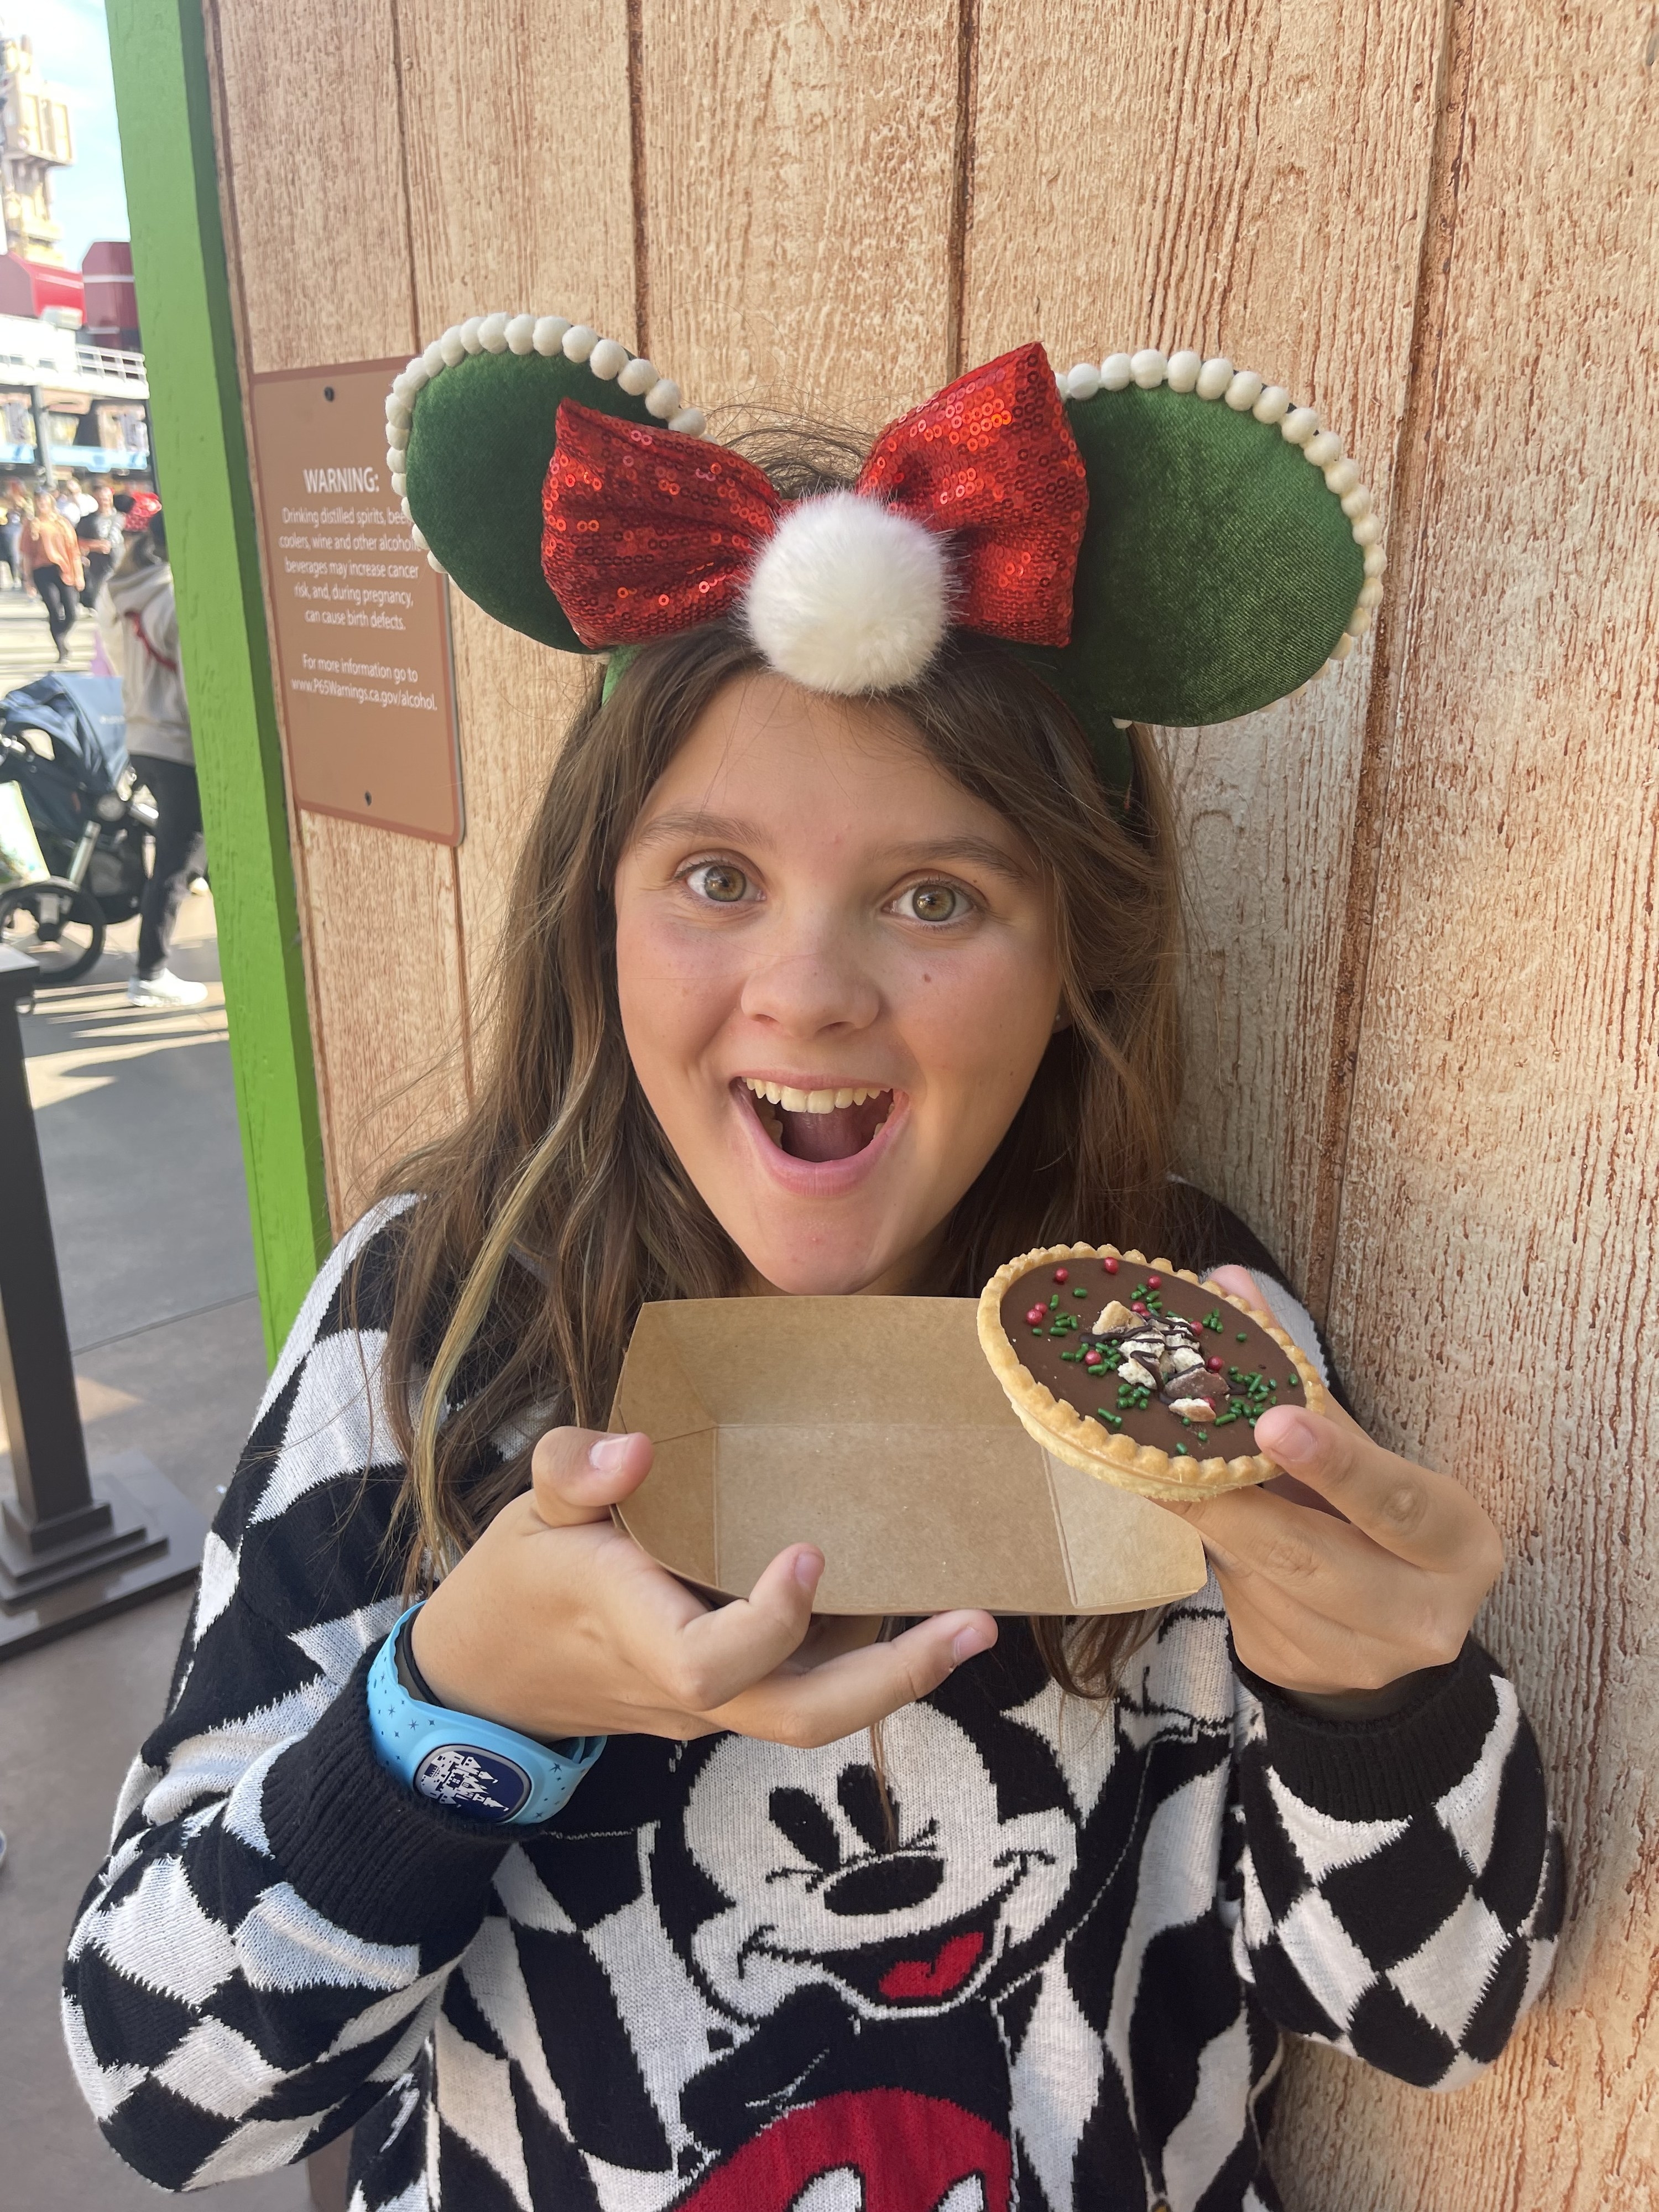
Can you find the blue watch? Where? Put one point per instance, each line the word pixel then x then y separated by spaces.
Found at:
pixel 458 1761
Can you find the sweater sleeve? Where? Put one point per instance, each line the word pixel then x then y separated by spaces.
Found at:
pixel 263 1952
pixel 1401 1880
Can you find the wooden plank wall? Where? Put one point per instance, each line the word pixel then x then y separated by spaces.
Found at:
pixel 1420 898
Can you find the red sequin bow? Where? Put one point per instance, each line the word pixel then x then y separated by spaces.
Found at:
pixel 647 533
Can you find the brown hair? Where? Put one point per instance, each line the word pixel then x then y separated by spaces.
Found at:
pixel 555 1208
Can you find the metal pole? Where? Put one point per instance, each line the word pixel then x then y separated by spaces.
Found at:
pixel 74 1543
pixel 42 450
pixel 36 1374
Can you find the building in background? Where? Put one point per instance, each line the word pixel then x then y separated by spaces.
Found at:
pixel 37 138
pixel 71 375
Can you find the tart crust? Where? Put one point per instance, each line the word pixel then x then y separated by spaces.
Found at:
pixel 1059 1428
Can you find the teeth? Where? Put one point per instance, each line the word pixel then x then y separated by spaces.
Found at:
pixel 808 1102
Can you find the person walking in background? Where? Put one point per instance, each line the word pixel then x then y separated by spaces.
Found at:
pixel 139 593
pixel 50 553
pixel 13 509
pixel 99 532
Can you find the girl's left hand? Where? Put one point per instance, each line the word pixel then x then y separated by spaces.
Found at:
pixel 1358 1569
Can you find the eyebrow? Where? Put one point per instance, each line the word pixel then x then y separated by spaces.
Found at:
pixel 725 829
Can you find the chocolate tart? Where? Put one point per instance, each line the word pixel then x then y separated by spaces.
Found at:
pixel 1148 1396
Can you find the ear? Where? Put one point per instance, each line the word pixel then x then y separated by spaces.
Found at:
pixel 1230 552
pixel 470 431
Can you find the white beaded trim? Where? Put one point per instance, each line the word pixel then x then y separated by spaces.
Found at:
pixel 1245 392
pixel 542 334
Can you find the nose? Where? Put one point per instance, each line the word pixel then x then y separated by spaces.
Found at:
pixel 887 1884
pixel 806 990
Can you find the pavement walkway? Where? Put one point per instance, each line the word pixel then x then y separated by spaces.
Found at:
pixel 137 1129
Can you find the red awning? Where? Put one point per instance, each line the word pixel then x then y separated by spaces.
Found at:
pixel 29 288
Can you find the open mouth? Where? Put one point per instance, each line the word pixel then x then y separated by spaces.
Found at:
pixel 817 1125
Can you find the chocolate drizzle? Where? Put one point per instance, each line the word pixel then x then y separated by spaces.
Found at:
pixel 1158 1350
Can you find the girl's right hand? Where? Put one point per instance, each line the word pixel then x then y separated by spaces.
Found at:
pixel 556 1624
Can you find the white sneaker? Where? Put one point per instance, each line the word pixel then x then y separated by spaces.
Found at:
pixel 164 989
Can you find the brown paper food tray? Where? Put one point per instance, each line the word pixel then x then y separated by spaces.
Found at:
pixel 873 1428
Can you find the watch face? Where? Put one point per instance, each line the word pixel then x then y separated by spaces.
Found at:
pixel 482 1784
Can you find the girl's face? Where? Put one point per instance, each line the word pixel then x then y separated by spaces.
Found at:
pixel 837 973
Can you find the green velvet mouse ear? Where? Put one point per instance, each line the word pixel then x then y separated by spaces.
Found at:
pixel 470 430
pixel 1230 552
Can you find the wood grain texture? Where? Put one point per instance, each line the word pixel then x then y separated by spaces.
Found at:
pixel 376 991
pixel 506 213
pixel 1250 180
pixel 798 159
pixel 1496 1285
pixel 314 288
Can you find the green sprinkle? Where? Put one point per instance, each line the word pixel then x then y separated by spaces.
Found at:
pixel 1054 1301
pixel 1292 1381
pixel 1180 1451
pixel 1037 1332
pixel 1203 1435
pixel 1081 1292
pixel 1243 1338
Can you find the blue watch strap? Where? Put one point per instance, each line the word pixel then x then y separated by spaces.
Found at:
pixel 469 1764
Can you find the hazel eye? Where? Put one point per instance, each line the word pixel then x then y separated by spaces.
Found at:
pixel 933 902
pixel 720 881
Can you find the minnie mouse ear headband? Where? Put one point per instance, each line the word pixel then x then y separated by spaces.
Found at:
pixel 1165 540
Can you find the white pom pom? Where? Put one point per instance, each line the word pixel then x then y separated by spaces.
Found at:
pixel 547 335
pixel 1183 370
pixel 608 359
pixel 521 334
pixel 492 333
pixel 690 422
pixel 848 596
pixel 637 379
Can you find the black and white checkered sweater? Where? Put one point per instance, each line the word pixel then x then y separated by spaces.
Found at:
pixel 717 1980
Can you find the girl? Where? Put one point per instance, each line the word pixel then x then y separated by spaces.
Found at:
pixel 842 962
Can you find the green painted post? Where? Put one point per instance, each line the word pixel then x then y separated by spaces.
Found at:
pixel 158 51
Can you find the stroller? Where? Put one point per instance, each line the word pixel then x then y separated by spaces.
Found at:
pixel 72 858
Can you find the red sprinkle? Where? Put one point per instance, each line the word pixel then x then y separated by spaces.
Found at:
pixel 1139 1306
pixel 1109 1265
pixel 1154 1282
pixel 1214 1366
pixel 1037 1314
pixel 1060 1274
pixel 1092 1358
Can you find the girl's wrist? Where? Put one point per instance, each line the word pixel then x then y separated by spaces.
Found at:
pixel 1359 1704
pixel 463 1761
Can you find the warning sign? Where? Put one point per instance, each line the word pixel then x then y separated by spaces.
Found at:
pixel 360 620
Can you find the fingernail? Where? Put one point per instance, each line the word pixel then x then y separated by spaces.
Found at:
pixel 969 1642
pixel 809 1565
pixel 606 1456
pixel 1292 1436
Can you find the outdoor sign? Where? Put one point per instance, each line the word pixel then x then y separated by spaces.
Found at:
pixel 360 621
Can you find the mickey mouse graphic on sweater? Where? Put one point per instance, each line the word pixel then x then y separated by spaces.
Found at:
pixel 875 1925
